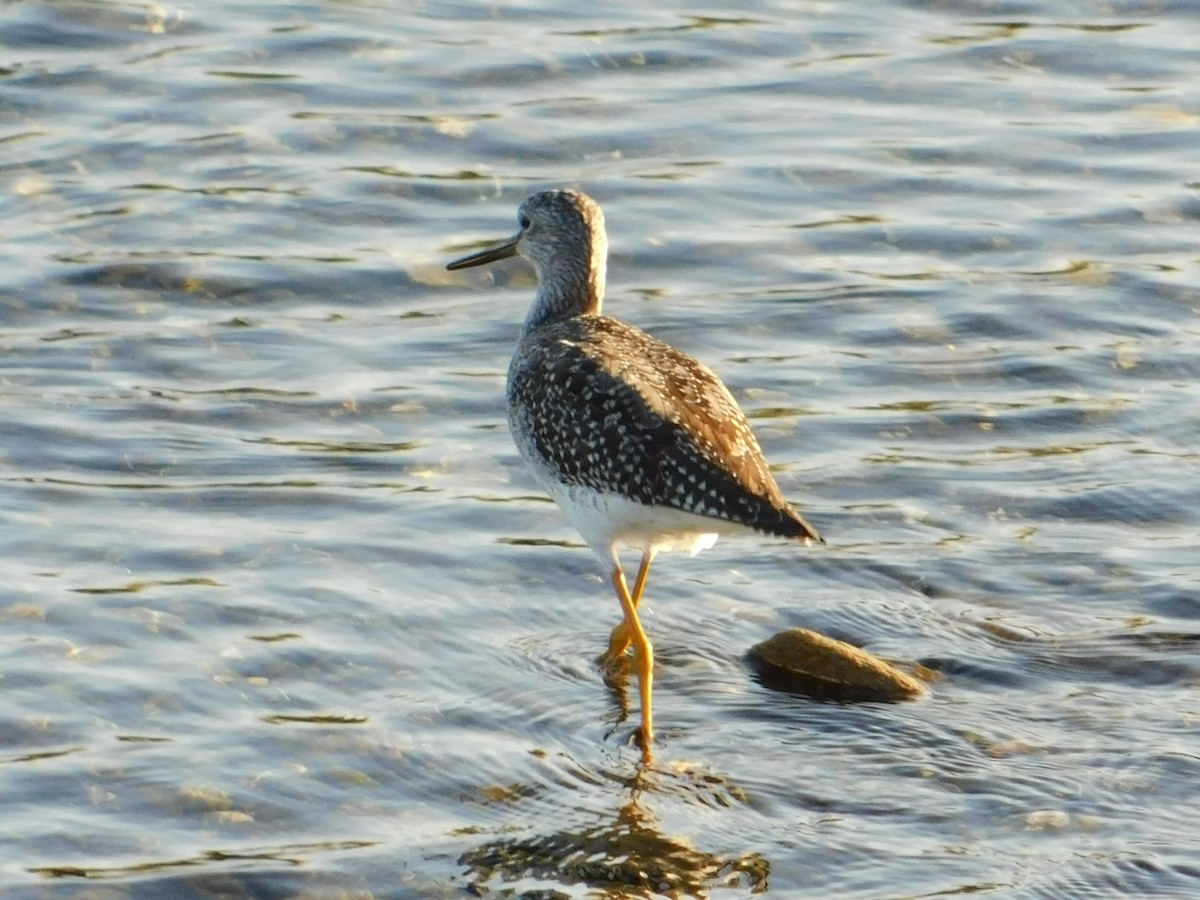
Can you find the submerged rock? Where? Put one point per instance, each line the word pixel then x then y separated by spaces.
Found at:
pixel 806 662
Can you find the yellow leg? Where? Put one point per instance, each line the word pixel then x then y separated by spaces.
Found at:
pixel 619 639
pixel 643 653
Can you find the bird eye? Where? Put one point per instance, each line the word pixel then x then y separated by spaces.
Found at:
pixel 523 222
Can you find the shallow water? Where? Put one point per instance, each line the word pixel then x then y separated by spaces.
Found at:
pixel 284 616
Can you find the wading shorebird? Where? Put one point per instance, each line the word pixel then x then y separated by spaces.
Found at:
pixel 641 445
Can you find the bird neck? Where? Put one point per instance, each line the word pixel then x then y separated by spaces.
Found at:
pixel 569 287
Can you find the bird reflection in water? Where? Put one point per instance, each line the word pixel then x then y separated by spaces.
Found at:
pixel 627 857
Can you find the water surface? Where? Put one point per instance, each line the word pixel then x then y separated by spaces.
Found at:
pixel 284 616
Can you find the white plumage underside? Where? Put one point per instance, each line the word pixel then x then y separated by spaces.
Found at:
pixel 609 521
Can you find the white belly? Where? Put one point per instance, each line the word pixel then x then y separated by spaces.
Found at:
pixel 609 521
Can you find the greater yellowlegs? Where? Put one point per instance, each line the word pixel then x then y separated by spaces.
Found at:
pixel 639 444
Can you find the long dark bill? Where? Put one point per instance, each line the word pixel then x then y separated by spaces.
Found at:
pixel 503 250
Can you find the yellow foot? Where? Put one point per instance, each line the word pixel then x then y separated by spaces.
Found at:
pixel 618 641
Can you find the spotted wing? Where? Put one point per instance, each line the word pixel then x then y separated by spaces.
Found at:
pixel 602 404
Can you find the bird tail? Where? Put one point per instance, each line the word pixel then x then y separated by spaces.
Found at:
pixel 805 533
pixel 793 525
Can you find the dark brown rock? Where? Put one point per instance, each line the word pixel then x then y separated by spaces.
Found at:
pixel 805 662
